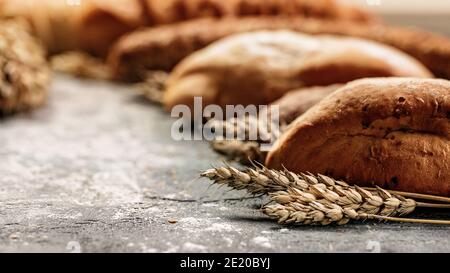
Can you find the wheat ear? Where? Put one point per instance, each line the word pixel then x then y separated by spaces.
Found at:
pixel 319 214
pixel 80 64
pixel 309 199
pixel 243 127
pixel 236 143
pixel 152 86
pixel 242 151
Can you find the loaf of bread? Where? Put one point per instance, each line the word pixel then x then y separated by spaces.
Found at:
pixel 163 47
pixel 93 25
pixel 390 132
pixel 260 67
pixel 24 73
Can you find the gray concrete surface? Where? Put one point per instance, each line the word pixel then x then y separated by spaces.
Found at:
pixel 97 171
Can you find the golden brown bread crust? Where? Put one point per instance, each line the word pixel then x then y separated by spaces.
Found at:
pixel 390 132
pixel 297 102
pixel 260 67
pixel 163 47
pixel 24 72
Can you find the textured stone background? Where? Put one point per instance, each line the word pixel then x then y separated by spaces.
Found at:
pixel 97 171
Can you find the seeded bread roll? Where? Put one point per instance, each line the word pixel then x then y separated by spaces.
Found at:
pixel 163 47
pixel 24 73
pixel 260 67
pixel 390 132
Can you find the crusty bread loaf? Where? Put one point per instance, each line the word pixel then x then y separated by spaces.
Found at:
pixel 260 67
pixel 163 47
pixel 24 73
pixel 390 132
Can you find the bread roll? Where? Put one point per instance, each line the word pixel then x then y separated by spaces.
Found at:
pixel 258 68
pixel 163 47
pixel 24 73
pixel 390 132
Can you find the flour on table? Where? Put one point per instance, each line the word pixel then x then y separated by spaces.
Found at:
pixel 262 241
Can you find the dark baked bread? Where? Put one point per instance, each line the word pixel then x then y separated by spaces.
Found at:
pixel 260 67
pixel 163 47
pixel 390 132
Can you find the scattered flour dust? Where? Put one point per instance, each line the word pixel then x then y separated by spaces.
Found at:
pixel 191 247
pixel 222 227
pixel 209 205
pixel 207 225
pixel 262 241
pixel 191 221
pixel 228 241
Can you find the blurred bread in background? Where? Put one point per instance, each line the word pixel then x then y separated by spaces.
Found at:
pixel 93 25
pixel 260 67
pixel 164 46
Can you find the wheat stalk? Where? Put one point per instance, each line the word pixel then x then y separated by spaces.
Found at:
pixel 82 65
pixel 318 214
pixel 152 86
pixel 243 148
pixel 24 72
pixel 310 199
pixel 242 151
pixel 243 128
